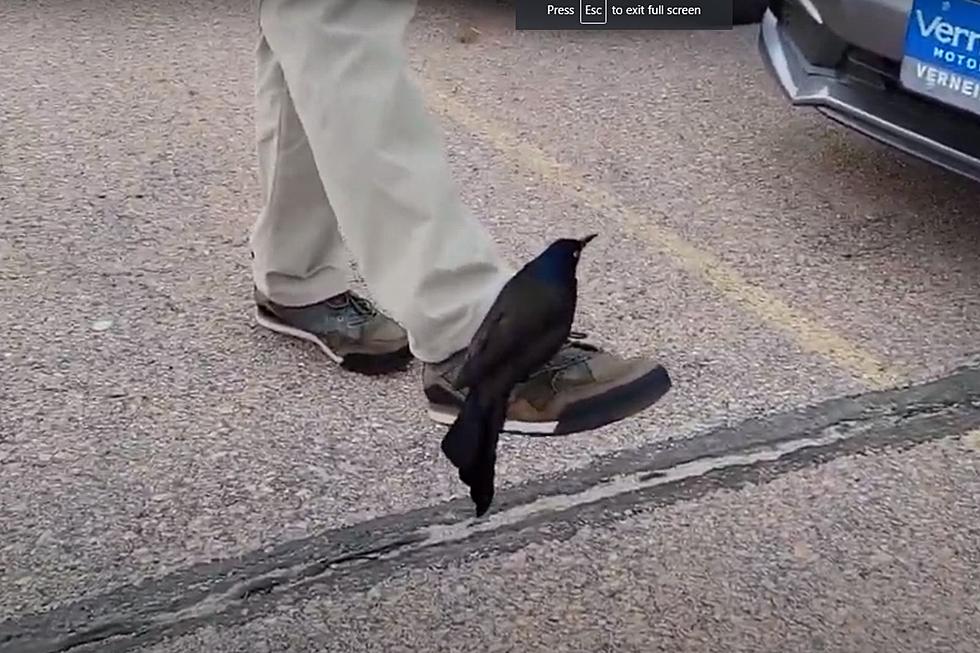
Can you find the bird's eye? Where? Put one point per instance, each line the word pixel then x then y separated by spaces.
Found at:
pixel 575 254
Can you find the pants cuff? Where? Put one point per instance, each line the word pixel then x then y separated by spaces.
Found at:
pixel 298 291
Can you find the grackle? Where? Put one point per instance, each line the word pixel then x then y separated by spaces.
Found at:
pixel 526 326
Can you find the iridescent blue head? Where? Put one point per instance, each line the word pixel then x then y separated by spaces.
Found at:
pixel 559 261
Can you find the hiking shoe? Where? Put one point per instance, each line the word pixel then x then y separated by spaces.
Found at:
pixel 581 388
pixel 347 327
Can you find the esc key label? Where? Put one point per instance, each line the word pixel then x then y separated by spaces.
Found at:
pixel 591 12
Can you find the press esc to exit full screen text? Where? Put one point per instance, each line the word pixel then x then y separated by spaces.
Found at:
pixel 630 10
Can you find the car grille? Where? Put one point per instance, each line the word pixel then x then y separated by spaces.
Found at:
pixel 875 69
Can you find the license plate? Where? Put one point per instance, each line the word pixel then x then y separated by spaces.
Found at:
pixel 942 52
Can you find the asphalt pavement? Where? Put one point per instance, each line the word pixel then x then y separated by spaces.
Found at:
pixel 173 478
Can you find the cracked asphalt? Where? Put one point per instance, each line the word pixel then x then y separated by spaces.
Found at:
pixel 154 441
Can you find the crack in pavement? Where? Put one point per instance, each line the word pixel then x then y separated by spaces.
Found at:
pixel 357 557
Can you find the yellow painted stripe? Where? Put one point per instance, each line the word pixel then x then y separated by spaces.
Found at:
pixel 805 330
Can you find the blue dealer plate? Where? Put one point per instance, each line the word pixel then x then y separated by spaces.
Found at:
pixel 942 52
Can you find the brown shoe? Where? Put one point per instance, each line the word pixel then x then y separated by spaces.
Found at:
pixel 580 389
pixel 348 328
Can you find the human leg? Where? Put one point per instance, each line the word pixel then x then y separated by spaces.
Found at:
pixel 299 263
pixel 426 259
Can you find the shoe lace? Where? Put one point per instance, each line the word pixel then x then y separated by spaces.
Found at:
pixel 579 338
pixel 362 306
pixel 358 310
pixel 576 350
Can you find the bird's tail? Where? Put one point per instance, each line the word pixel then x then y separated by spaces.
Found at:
pixel 470 444
pixel 461 443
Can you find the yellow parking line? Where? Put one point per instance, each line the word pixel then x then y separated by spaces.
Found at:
pixel 805 330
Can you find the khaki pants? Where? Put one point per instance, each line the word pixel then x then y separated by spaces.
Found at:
pixel 351 166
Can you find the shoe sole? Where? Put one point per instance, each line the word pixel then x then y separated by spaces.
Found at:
pixel 601 410
pixel 368 364
pixel 440 415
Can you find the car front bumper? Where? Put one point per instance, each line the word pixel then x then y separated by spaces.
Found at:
pixel 860 90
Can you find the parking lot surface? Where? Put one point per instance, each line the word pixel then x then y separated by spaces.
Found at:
pixel 155 443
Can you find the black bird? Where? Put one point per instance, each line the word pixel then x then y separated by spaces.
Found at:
pixel 526 326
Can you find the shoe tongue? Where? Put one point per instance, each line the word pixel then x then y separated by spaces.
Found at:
pixel 339 301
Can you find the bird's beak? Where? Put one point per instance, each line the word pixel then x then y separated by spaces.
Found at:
pixel 585 241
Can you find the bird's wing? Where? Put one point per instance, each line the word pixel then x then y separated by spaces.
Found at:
pixel 514 320
pixel 547 343
pixel 496 338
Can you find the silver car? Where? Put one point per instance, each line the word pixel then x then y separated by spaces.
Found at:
pixel 905 72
